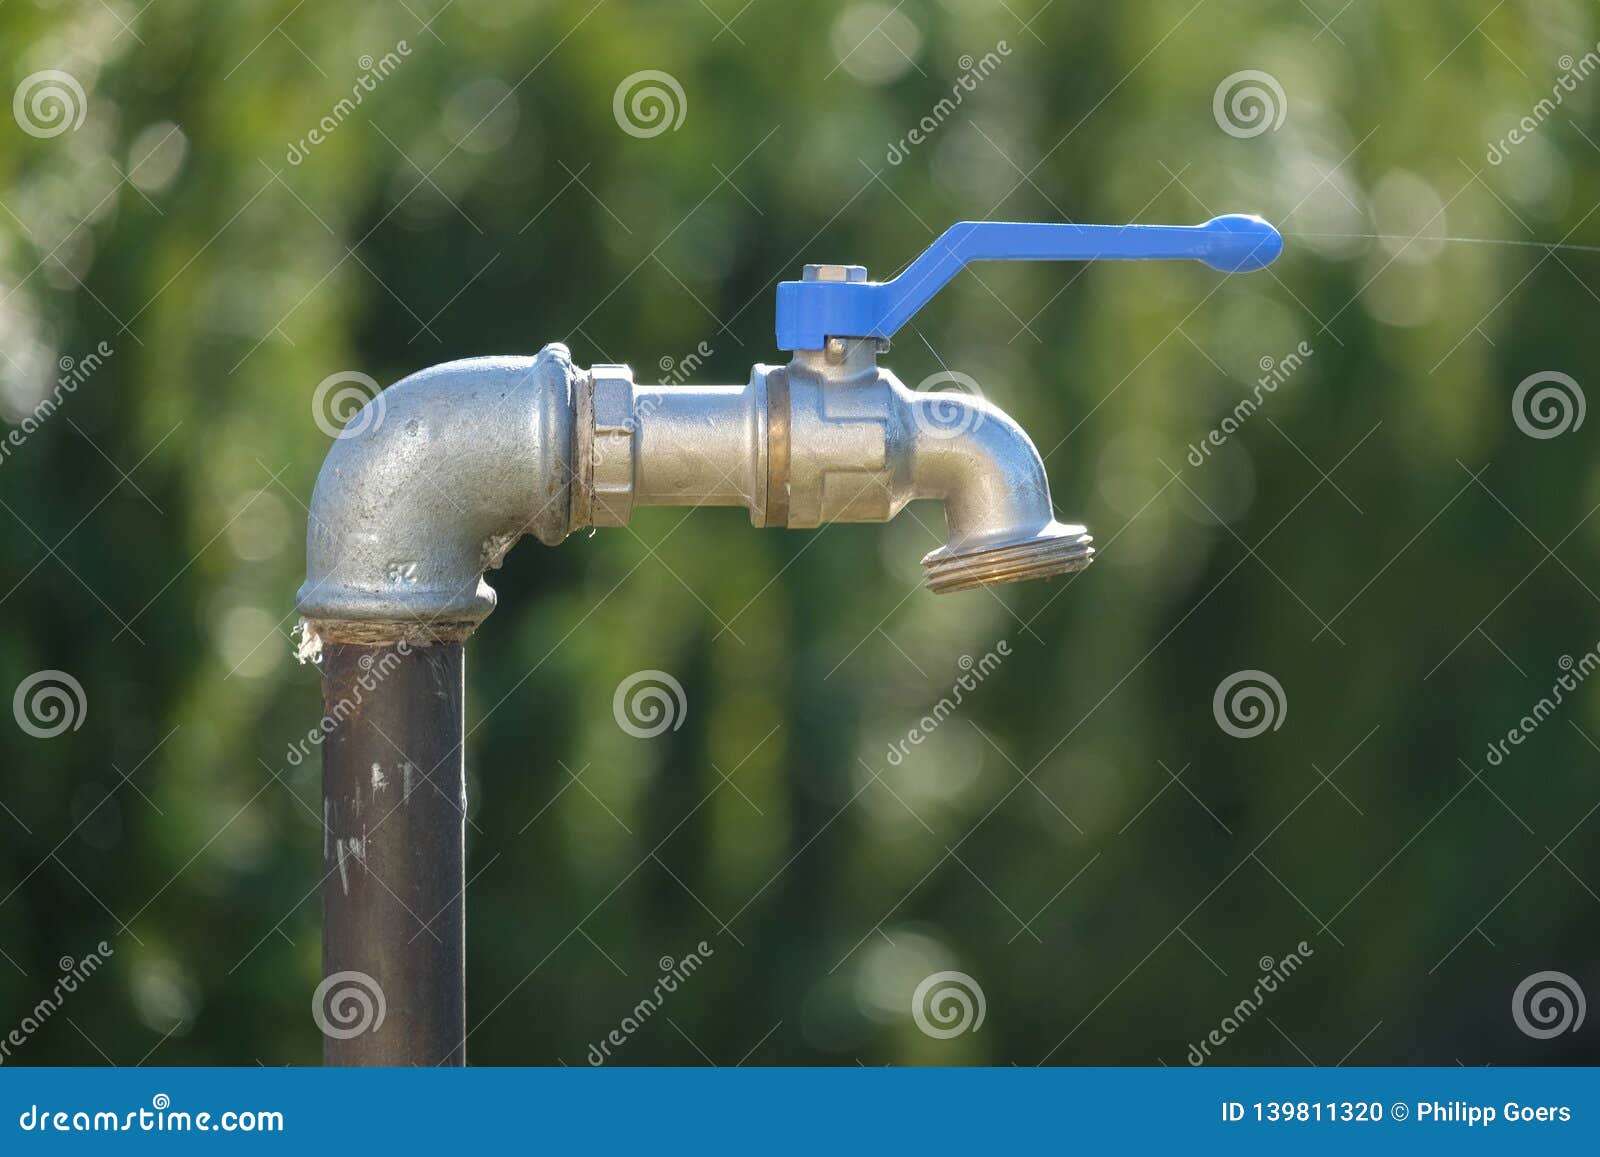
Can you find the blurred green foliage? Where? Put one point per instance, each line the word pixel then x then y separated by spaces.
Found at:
pixel 1082 838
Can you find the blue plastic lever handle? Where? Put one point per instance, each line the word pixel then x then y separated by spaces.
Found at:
pixel 810 312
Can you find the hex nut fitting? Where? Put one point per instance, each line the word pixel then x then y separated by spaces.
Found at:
pixel 611 446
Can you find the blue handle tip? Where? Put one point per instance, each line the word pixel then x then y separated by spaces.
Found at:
pixel 1241 243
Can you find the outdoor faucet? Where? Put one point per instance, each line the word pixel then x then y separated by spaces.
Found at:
pixel 435 479
pixel 439 475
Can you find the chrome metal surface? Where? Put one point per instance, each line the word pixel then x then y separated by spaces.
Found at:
pixel 703 445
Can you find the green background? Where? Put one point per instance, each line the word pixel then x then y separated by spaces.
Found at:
pixel 1381 537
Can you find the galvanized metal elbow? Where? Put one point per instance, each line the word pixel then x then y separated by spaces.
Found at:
pixel 429 486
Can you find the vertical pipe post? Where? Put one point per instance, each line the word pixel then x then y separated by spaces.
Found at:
pixel 394 820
